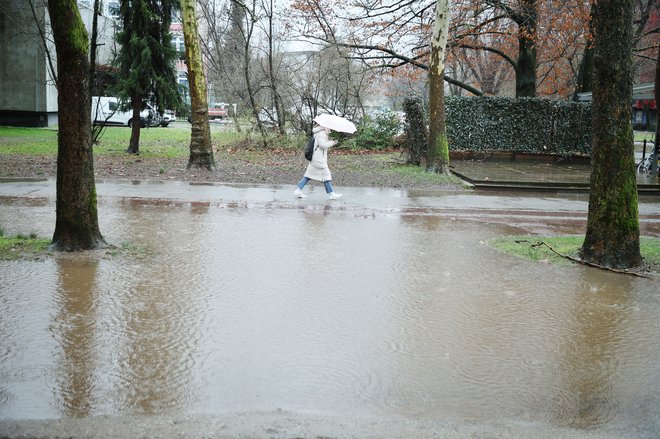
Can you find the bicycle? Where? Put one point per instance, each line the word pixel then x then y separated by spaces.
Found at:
pixel 646 165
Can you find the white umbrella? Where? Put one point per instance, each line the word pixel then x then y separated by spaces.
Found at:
pixel 335 123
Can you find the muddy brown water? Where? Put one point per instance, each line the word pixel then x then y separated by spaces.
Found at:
pixel 240 309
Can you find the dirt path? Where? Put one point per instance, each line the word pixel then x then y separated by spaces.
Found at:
pixel 234 166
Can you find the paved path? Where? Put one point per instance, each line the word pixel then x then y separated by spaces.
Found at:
pixel 541 208
pixel 537 176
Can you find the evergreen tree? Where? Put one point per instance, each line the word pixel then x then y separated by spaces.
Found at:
pixel 146 59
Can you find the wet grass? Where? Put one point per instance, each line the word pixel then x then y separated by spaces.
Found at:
pixel 522 246
pixel 127 247
pixel 27 247
pixel 644 135
pixel 22 246
pixel 170 142
pixel 36 141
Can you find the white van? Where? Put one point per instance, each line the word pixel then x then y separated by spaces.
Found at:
pixel 105 111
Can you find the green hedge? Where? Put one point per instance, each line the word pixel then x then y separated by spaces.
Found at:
pixel 531 125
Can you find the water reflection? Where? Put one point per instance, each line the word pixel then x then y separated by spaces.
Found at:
pixel 153 317
pixel 590 364
pixel 200 207
pixel 75 327
pixel 233 308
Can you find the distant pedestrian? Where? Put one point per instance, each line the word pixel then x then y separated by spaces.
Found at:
pixel 317 169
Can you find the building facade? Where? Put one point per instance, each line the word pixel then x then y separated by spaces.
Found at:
pixel 28 96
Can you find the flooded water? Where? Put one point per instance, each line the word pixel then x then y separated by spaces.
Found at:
pixel 227 308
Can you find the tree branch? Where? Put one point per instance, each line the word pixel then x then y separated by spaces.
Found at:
pixel 579 261
pixel 506 57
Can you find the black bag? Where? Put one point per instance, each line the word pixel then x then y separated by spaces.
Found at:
pixel 309 149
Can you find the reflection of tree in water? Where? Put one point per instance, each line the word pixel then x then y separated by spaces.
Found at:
pixel 74 330
pixel 200 207
pixel 591 345
pixel 156 316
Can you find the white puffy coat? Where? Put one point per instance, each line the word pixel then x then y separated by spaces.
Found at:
pixel 317 169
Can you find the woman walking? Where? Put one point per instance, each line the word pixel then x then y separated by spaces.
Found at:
pixel 317 169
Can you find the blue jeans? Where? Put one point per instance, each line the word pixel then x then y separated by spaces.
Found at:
pixel 327 184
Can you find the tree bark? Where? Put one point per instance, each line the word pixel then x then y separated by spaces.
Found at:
pixel 201 148
pixel 585 74
pixel 277 101
pixel 76 222
pixel 438 149
pixel 654 165
pixel 134 142
pixel 612 236
pixel 250 12
pixel 526 63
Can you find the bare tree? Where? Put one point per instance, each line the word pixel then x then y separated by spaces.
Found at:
pixel 273 71
pixel 230 50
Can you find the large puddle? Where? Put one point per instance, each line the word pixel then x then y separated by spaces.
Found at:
pixel 235 309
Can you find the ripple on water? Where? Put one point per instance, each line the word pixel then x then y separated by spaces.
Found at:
pixel 237 309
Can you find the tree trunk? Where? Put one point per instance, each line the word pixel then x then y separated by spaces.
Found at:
pixel 201 149
pixel 134 142
pixel 654 165
pixel 253 102
pixel 526 63
pixel 438 149
pixel 277 101
pixel 585 73
pixel 76 222
pixel 612 237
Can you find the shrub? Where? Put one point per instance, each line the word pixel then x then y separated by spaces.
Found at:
pixel 377 133
pixel 520 125
pixel 416 133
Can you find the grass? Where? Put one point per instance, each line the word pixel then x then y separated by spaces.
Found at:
pixel 566 245
pixel 644 135
pixel 22 246
pixel 30 246
pixel 170 142
pixel 37 141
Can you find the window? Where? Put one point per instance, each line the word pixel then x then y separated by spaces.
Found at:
pixel 178 43
pixel 113 8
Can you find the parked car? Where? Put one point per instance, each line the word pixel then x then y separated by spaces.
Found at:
pixel 105 111
pixel 218 111
pixel 168 116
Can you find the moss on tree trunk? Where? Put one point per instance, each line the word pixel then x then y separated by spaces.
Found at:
pixel 201 150
pixel 76 223
pixel 612 237
pixel 134 142
pixel 438 149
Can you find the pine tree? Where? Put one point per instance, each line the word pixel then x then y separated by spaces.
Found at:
pixel 146 59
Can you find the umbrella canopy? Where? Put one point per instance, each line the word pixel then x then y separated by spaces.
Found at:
pixel 335 123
